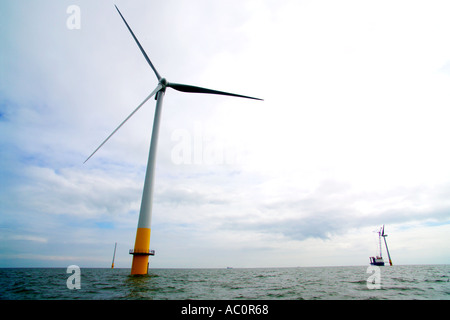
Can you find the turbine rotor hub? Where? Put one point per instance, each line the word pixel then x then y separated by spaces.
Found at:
pixel 163 82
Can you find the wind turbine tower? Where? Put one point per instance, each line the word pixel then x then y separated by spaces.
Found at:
pixel 385 243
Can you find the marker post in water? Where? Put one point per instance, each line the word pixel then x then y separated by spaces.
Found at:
pixel 114 256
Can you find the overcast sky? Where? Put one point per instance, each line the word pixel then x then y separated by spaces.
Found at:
pixel 352 133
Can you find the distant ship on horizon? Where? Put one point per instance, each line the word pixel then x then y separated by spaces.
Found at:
pixel 378 260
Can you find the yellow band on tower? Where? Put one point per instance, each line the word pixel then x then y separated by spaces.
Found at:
pixel 142 245
pixel 142 240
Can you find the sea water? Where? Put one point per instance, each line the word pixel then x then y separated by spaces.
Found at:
pixel 423 282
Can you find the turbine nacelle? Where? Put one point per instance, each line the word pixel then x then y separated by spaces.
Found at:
pixel 163 82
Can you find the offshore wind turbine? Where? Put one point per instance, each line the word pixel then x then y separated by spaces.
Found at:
pixel 141 250
pixel 385 243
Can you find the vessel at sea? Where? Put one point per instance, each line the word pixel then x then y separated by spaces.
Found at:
pixel 378 260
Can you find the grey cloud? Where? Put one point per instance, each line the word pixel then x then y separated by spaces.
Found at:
pixel 328 212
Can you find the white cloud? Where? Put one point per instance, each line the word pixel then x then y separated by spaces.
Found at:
pixel 28 238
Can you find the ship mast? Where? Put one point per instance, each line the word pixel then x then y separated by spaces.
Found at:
pixel 379 240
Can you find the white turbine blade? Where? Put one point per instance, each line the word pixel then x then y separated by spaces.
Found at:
pixel 131 114
pixel 139 45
